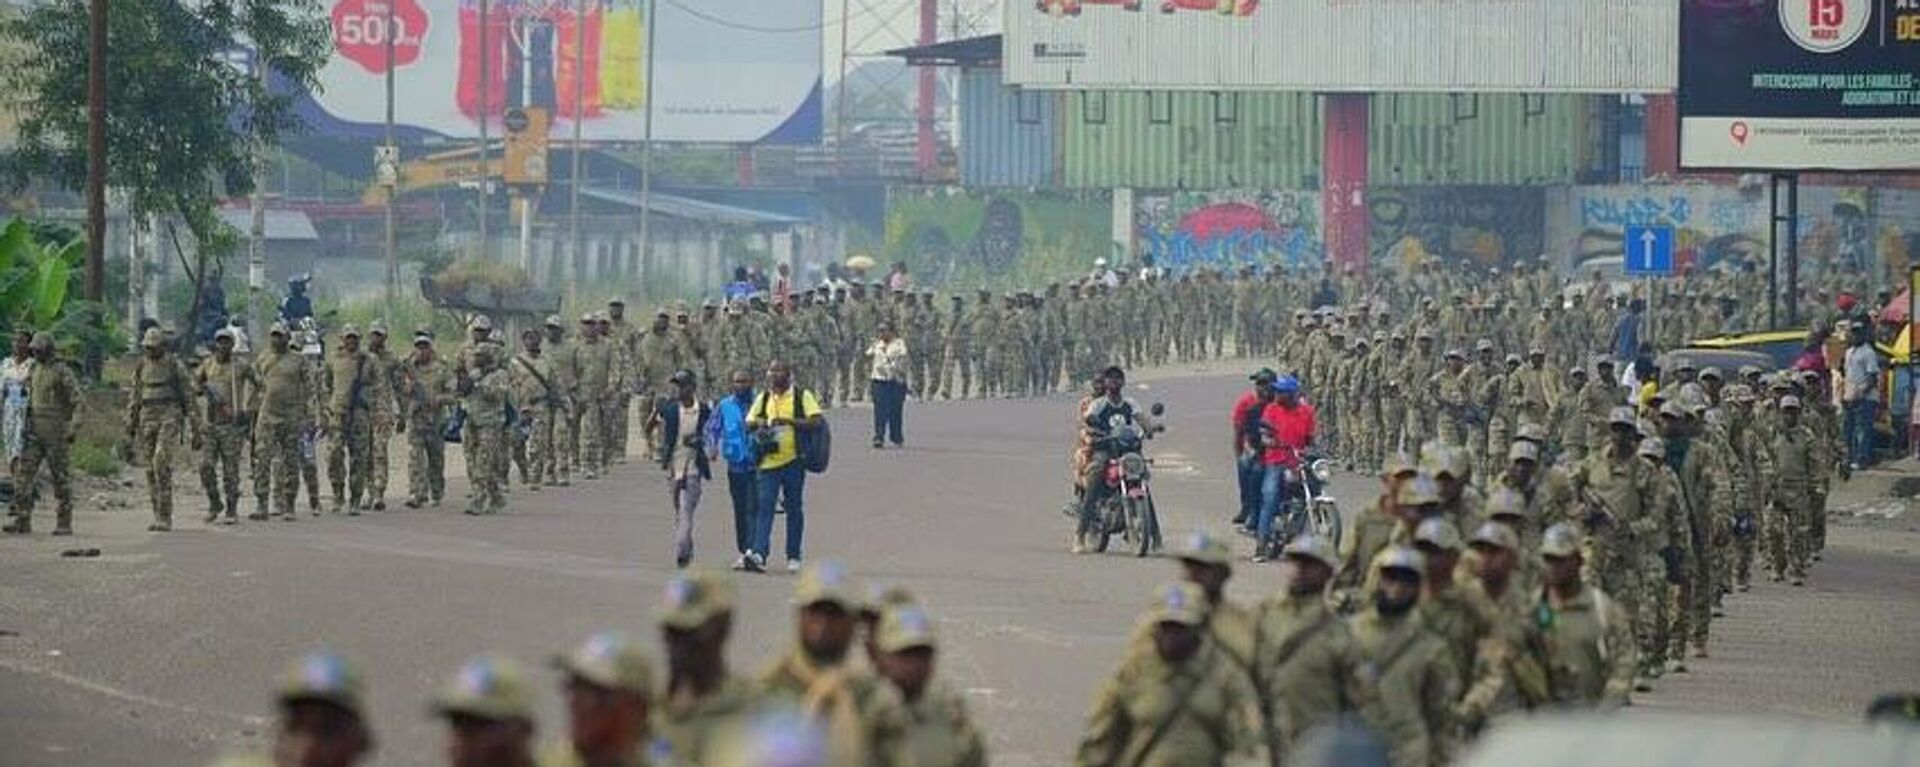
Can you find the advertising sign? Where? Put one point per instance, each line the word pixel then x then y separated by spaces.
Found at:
pixel 733 73
pixel 1482 46
pixel 1800 84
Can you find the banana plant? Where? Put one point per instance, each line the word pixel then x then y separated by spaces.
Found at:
pixel 34 275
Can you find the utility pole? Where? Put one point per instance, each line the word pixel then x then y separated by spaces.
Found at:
pixel 573 177
pixel 646 143
pixel 486 113
pixel 257 227
pixel 96 284
pixel 392 159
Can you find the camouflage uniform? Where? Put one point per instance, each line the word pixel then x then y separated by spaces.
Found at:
pixel 284 411
pixel 53 397
pixel 536 398
pixel 594 357
pixel 226 391
pixel 351 378
pixel 383 418
pixel 158 408
pixel 427 400
pixel 488 397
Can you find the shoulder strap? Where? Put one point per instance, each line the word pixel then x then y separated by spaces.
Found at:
pixel 1301 637
pixel 1165 725
pixel 528 366
pixel 1409 637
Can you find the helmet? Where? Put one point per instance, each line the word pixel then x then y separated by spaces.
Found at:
pixel 1286 384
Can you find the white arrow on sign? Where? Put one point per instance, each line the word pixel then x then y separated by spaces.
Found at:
pixel 1647 240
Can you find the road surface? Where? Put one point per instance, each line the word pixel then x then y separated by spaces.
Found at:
pixel 161 650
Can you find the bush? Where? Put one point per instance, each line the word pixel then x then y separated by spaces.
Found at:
pixel 95 460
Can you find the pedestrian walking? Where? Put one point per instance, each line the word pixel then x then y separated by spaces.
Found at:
pixel 225 388
pixel 14 371
pixel 728 429
pixel 53 400
pixel 427 401
pixel 889 388
pixel 158 409
pixel 684 450
pixel 778 417
pixel 1860 393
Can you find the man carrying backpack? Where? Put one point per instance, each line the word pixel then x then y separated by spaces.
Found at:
pixel 782 418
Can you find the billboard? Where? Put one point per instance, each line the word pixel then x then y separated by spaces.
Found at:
pixel 1800 84
pixel 723 72
pixel 1485 46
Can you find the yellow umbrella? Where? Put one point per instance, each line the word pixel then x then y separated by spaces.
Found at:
pixel 862 263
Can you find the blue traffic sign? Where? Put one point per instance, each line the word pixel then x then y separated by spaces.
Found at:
pixel 1648 250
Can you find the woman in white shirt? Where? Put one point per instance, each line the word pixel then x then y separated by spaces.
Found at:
pixel 889 356
pixel 14 372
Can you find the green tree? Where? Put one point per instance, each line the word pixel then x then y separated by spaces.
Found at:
pixel 183 119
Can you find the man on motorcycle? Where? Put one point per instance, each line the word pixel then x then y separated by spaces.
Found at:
pixel 1286 431
pixel 1102 418
pixel 1246 445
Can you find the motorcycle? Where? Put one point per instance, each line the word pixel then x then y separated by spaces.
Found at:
pixel 1128 509
pixel 1310 508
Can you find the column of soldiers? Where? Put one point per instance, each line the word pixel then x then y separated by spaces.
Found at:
pixel 828 700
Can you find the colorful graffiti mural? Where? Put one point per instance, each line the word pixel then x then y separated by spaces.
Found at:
pixel 953 236
pixel 1484 225
pixel 1184 230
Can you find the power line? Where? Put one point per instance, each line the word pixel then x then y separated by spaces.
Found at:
pixel 730 24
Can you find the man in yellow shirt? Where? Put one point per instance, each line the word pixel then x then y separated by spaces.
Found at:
pixel 776 423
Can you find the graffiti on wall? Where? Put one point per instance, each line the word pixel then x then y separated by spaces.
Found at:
pixel 1484 225
pixel 1184 230
pixel 950 235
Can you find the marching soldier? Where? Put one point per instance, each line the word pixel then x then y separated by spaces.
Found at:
pixel 939 731
pixel 1585 641
pixel 53 398
pixel 488 705
pixel 863 714
pixel 701 698
pixel 566 416
pixel 427 401
pixel 488 395
pixel 158 408
pixel 537 399
pixel 1303 665
pixel 226 387
pixel 608 690
pixel 1407 684
pixel 595 361
pixel 284 410
pixel 350 381
pixel 383 413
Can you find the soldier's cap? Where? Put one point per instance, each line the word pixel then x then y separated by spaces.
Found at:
pixel 1790 402
pixel 1671 409
pixel 610 660
pixel 1436 461
pixel 1299 314
pixel 1782 382
pixel 1423 335
pixel 1653 447
pixel 1359 341
pixel 1578 371
pixel 1314 547
pixel 1507 502
pixel 616 301
pixel 666 312
pixel 1419 491
pixel 1622 416
pixel 1401 558
pixel 1713 373
pixel 1483 345
pixel 377 328
pixel 709 304
pixel 1399 335
pixel 586 318
pixel 490 687
pixel 694 596
pixel 1207 549
pixel 1438 533
pixel 1512 359
pixel 1685 364
pixel 423 340
pixel 554 321
pixel 1456 353
pixel 602 318
pixel 1810 376
pixel 349 331
pixel 1661 394
pixel 1183 603
pixel 1379 336
pixel 1428 301
pixel 480 322
pixel 42 341
pixel 1748 371
pixel 956 298
pixel 153 339
pixel 1531 432
pixel 1495 534
pixel 323 677
pixel 277 329
pixel 1399 464
pixel 1522 450
pixel 1603 362
pixel 881 596
pixel 1740 393
pixel 904 627
pixel 1560 540
pixel 827 583
pixel 226 333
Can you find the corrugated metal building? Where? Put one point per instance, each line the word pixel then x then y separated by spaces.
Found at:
pixel 1188 140
pixel 1006 135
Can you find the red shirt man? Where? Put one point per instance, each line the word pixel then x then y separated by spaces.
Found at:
pixel 1247 408
pixel 1289 425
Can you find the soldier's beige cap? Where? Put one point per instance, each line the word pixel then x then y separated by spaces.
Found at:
pixel 827 583
pixel 616 301
pixel 693 597
pixel 492 687
pixel 377 329
pixel 610 660
pixel 1790 402
pixel 1811 376
pixel 1399 464
pixel 1622 415
pixel 1522 450
pixel 277 328
pixel 1748 371
pixel 553 320
pixel 1207 549
pixel 1419 491
pixel 881 596
pixel 423 340
pixel 1483 345
pixel 1183 603
pixel 1686 364
pixel 1577 371
pixel 42 341
pixel 1439 533
pixel 1672 409
pixel 586 318
pixel 1507 502
pixel 153 339
pixel 1400 558
pixel 1513 359
pixel 1379 336
pixel 1423 334
pixel 323 677
pixel 1456 353
pixel 1495 534
pixel 1739 393
pixel 226 333
pixel 904 627
pixel 1561 540
pixel 1653 447
pixel 1531 432
pixel 480 322
pixel 1713 373
pixel 1314 547
pixel 349 331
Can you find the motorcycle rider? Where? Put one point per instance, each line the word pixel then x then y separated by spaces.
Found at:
pixel 1097 423
pixel 1286 431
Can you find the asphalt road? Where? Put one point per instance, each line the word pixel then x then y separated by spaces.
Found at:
pixel 160 651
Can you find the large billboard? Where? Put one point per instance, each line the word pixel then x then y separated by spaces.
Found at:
pixel 1484 46
pixel 1800 84
pixel 723 72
